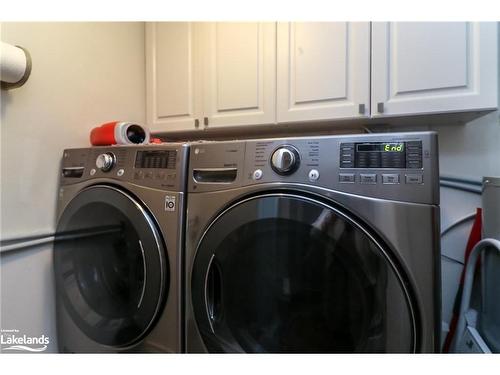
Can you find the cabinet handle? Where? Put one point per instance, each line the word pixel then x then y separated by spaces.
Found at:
pixel 380 107
pixel 196 123
pixel 205 121
pixel 361 109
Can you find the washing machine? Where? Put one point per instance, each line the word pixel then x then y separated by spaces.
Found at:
pixel 314 245
pixel 118 249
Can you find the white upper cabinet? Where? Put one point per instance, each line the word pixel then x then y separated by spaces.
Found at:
pixel 221 74
pixel 431 67
pixel 323 70
pixel 173 76
pixel 239 73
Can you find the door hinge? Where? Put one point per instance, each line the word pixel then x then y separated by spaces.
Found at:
pixel 361 109
pixel 196 123
pixel 205 121
pixel 380 107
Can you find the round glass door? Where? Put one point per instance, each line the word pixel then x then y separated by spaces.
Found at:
pixel 110 265
pixel 285 273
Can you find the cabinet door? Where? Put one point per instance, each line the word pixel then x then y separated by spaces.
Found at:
pixel 429 67
pixel 323 70
pixel 239 73
pixel 173 92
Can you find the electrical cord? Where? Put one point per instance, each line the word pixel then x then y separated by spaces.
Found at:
pixel 458 222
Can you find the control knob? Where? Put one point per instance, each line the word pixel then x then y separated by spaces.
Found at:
pixel 285 160
pixel 105 161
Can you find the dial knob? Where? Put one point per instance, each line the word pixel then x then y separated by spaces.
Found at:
pixel 285 160
pixel 105 161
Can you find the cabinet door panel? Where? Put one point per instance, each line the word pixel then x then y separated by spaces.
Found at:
pixel 237 60
pixel 323 70
pixel 173 80
pixel 312 84
pixel 427 67
pixel 239 73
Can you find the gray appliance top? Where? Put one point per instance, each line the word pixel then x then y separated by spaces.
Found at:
pixel 393 166
pixel 159 166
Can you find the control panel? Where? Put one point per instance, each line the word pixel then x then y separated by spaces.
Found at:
pixel 398 166
pixel 158 166
pixel 381 155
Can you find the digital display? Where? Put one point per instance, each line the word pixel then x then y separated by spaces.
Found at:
pixel 380 147
pixel 156 159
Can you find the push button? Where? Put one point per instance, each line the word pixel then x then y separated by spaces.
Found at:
pixel 257 174
pixel 346 163
pixel 391 178
pixel 368 178
pixel 313 175
pixel 414 178
pixel 346 178
pixel 414 163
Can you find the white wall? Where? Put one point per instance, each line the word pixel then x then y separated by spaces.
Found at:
pixel 471 150
pixel 83 74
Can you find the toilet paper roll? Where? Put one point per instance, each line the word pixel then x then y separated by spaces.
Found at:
pixel 15 66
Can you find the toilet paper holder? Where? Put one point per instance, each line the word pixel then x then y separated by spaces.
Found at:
pixel 15 66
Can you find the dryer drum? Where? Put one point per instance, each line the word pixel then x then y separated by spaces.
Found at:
pixel 286 273
pixel 110 266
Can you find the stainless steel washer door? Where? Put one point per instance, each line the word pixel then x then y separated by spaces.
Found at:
pixel 288 273
pixel 110 265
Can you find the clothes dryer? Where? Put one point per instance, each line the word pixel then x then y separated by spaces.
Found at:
pixel 314 245
pixel 118 249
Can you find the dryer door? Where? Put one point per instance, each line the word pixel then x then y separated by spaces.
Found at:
pixel 110 265
pixel 287 273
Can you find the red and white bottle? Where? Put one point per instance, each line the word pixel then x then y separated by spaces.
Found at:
pixel 119 132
